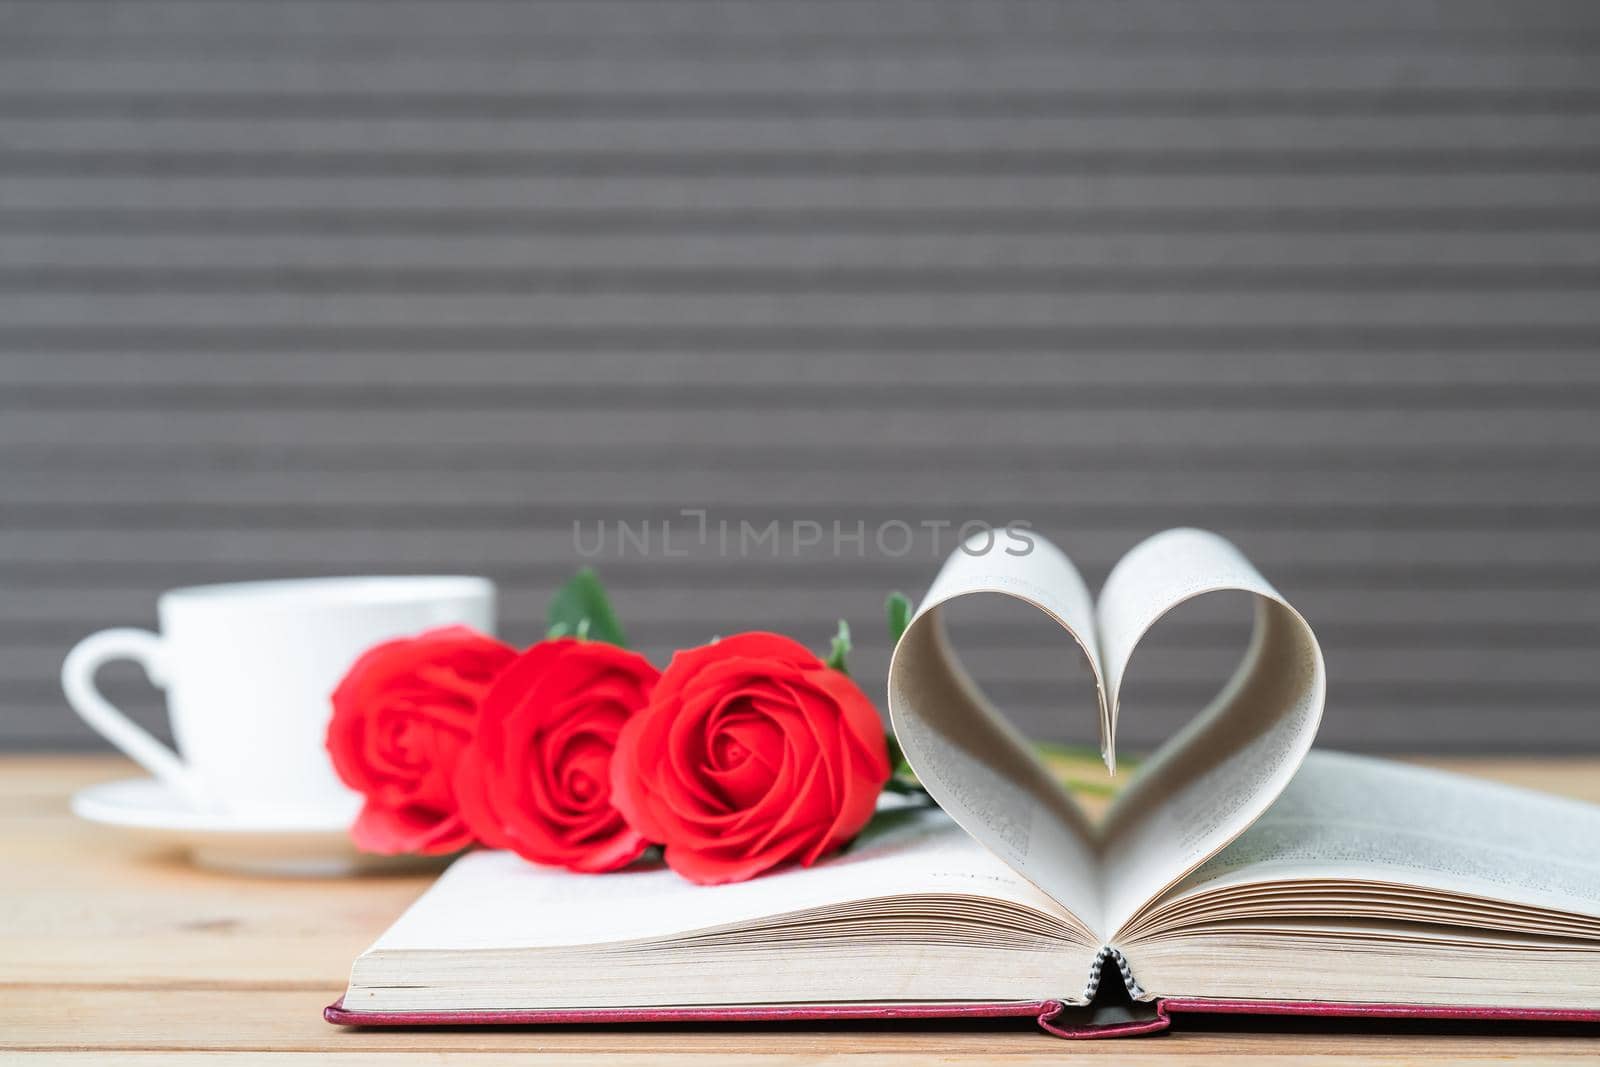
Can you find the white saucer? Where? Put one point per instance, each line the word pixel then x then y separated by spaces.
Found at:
pixel 292 844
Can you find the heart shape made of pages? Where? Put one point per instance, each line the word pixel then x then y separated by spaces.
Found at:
pixel 1202 788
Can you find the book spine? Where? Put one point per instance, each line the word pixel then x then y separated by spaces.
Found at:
pixel 1111 1017
pixel 1114 956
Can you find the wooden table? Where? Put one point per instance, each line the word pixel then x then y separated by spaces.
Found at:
pixel 113 954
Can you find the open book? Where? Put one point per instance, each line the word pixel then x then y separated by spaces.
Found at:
pixel 1238 872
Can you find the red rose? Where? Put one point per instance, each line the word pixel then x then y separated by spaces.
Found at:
pixel 402 716
pixel 537 778
pixel 752 753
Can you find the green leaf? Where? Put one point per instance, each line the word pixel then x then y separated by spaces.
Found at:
pixel 581 608
pixel 898 610
pixel 897 755
pixel 840 652
pixel 1087 753
pixel 887 821
pixel 1093 789
pixel 902 779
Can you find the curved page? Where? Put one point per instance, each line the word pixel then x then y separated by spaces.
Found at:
pixel 980 769
pixel 1208 783
pixel 1200 791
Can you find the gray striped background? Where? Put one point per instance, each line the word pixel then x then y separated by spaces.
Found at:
pixel 320 287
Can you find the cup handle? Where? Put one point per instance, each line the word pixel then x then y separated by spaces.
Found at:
pixel 77 681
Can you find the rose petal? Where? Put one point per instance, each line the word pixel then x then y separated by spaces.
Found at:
pixel 401 719
pixel 546 753
pixel 402 831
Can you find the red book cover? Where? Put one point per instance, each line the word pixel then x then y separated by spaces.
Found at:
pixel 1051 1016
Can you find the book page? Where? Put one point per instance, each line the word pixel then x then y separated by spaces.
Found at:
pixel 972 761
pixel 1207 784
pixel 1368 962
pixel 496 900
pixel 1350 817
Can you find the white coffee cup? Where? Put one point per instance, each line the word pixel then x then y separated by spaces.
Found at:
pixel 248 670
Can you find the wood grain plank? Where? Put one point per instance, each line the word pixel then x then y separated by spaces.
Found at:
pixel 733 193
pixel 469 137
pixel 881 373
pixel 690 315
pixel 841 427
pixel 1118 82
pixel 154 969
pixel 264 1021
pixel 831 492
pixel 708 218
pixel 608 260
pixel 881 18
pixel 524 554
